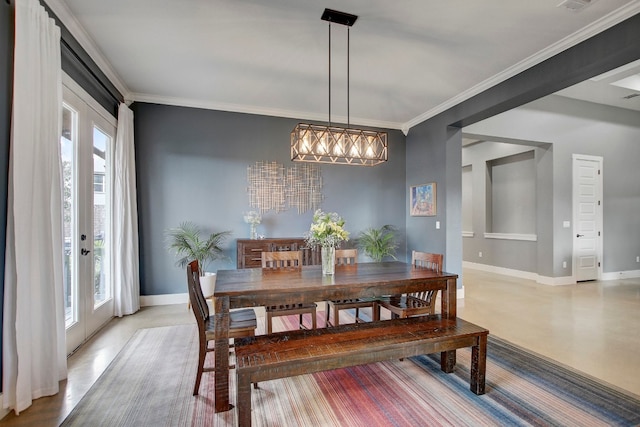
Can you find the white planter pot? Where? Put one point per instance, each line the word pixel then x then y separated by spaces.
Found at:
pixel 208 284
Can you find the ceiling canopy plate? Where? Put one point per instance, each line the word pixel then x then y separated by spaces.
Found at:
pixel 337 17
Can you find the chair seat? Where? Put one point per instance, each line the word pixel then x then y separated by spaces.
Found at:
pixel 346 304
pixel 287 309
pixel 407 305
pixel 241 323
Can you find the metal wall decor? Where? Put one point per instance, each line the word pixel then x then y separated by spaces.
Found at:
pixel 266 186
pixel 272 187
pixel 304 188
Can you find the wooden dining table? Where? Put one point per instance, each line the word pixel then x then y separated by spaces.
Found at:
pixel 256 287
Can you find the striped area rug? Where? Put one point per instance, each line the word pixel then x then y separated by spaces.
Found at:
pixel 151 380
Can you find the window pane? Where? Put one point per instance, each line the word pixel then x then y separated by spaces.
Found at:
pixel 98 182
pixel 69 120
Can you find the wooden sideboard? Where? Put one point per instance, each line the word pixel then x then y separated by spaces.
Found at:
pixel 250 250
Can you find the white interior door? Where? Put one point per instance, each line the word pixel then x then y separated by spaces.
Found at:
pixel 587 217
pixel 86 143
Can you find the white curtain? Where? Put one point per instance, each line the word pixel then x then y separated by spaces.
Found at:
pixel 34 357
pixel 126 277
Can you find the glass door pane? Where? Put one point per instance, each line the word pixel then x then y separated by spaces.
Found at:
pixel 101 209
pixel 67 149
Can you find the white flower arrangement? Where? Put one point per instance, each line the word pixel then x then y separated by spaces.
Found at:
pixel 252 217
pixel 327 229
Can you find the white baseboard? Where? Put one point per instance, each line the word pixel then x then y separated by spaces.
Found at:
pixel 164 299
pixel 545 280
pixel 553 281
pixel 630 274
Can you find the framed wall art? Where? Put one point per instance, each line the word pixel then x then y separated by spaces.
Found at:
pixel 422 199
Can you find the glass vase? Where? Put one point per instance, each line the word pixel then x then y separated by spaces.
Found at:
pixel 253 231
pixel 328 260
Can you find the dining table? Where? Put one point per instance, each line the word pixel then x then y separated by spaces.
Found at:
pixel 257 287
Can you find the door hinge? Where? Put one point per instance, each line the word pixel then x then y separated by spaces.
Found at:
pixel 598 171
pixel 598 263
pixel 598 202
pixel 598 234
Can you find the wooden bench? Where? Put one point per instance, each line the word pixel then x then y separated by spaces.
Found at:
pixel 286 354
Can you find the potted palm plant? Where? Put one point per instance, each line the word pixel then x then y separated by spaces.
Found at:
pixel 188 243
pixel 378 243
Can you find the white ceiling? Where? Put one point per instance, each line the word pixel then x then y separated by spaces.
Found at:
pixel 410 59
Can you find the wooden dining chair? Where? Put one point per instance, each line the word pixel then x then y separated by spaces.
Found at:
pixel 242 323
pixel 349 257
pixel 419 303
pixel 286 260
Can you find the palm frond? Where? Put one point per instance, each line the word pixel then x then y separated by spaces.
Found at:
pixel 186 243
pixel 378 243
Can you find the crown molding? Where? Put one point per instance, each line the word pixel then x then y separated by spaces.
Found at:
pixel 237 108
pixel 579 36
pixel 65 15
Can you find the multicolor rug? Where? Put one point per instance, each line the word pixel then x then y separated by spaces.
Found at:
pixel 150 384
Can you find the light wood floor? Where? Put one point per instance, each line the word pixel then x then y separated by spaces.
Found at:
pixel 593 327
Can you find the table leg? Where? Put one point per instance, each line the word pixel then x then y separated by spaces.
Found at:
pixel 221 305
pixel 449 299
pixel 479 365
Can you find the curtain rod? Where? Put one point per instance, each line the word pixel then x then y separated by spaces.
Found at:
pixel 90 71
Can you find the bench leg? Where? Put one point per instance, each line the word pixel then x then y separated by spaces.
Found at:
pixel 448 361
pixel 243 400
pixel 479 365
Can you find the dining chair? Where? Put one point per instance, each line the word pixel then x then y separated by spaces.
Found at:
pixel 418 303
pixel 242 323
pixel 286 260
pixel 349 257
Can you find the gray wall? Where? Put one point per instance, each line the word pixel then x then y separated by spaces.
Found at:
pixel 192 165
pixel 426 163
pixel 583 128
pixel 513 254
pixel 434 146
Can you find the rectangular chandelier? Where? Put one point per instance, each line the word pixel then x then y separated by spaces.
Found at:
pixel 331 144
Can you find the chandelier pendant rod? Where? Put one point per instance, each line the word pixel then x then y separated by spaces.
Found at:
pixel 329 73
pixel 348 62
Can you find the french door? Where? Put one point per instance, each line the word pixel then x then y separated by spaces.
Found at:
pixel 88 134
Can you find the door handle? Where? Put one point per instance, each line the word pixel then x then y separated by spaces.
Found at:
pixel 579 235
pixel 85 252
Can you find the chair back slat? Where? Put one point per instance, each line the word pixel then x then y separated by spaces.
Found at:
pixel 197 299
pixel 282 259
pixel 427 260
pixel 346 256
pixel 430 262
